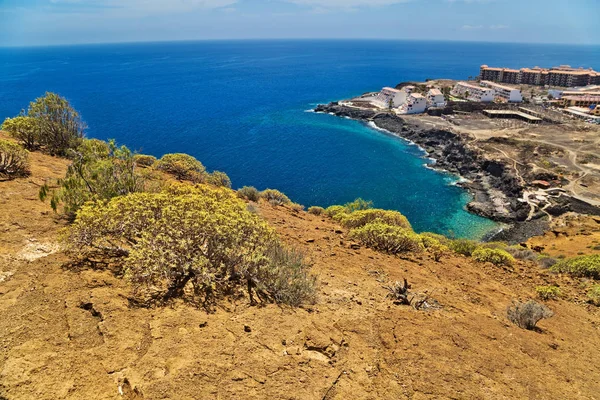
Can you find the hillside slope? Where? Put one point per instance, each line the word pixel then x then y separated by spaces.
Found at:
pixel 70 333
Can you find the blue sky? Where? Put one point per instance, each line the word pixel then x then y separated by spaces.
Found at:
pixel 48 22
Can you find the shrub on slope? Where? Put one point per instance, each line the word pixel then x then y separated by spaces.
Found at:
pixel 14 160
pixel 183 167
pixel 390 239
pixel 585 266
pixel 494 256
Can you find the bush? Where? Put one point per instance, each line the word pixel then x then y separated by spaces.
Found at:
pixel 521 253
pixel 296 207
pixel 14 160
pixel 275 197
pixel 249 193
pixel 586 266
pixel 440 238
pixel 594 295
pixel 316 210
pixel 360 218
pixel 193 242
pixel 357 205
pixel 547 262
pixel 334 211
pixel 434 247
pixel 463 246
pixel 219 178
pixel 494 256
pixel 527 315
pixel 144 160
pixel 60 126
pixel 99 171
pixel 548 292
pixel 390 239
pixel 183 167
pixel 25 129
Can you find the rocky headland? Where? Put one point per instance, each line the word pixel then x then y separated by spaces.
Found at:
pixel 497 191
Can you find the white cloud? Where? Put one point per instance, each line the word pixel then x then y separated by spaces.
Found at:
pixel 500 26
pixel 345 4
pixel 471 27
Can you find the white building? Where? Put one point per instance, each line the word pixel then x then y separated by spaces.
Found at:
pixel 390 97
pixel 435 98
pixel 506 93
pixel 473 92
pixel 416 103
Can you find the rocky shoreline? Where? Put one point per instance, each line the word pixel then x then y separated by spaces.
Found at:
pixel 495 189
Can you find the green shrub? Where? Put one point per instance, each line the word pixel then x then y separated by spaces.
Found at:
pixel 183 167
pixel 14 160
pixel 390 239
pixel 99 171
pixel 296 207
pixel 494 256
pixel 440 238
pixel 25 129
pixel 594 295
pixel 465 247
pixel 433 246
pixel 60 126
pixel 316 210
pixel 249 193
pixel 334 211
pixel 527 315
pixel 193 242
pixel 219 178
pixel 586 266
pixel 357 205
pixel 548 292
pixel 275 197
pixel 360 218
pixel 144 160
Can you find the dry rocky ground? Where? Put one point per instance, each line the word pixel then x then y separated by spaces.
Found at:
pixel 71 334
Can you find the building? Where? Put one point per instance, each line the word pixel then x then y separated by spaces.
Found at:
pixel 473 92
pixel 563 75
pixel 504 93
pixel 392 98
pixel 416 103
pixel 580 101
pixel 435 98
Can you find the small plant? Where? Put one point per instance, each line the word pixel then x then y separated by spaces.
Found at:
pixel 25 129
pixel 144 160
pixel 463 246
pixel 527 315
pixel 521 253
pixel 316 210
pixel 334 211
pixel 584 266
pixel 387 238
pixel 248 193
pixel 398 292
pixel 548 292
pixel 218 178
pixel 495 256
pixel 547 262
pixel 296 207
pixel 183 167
pixel 594 295
pixel 14 160
pixel 275 197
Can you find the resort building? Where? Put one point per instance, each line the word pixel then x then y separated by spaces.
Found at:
pixel 580 101
pixel 390 98
pixel 473 92
pixel 563 75
pixel 435 98
pixel 504 93
pixel 416 103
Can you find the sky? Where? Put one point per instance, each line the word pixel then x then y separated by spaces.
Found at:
pixel 53 22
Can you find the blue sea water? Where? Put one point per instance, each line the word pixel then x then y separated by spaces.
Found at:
pixel 240 107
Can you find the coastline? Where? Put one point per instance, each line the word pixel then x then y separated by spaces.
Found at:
pixel 494 189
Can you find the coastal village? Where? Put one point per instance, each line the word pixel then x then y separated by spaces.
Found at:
pixel 526 142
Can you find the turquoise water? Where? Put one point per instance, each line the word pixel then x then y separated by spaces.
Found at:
pixel 240 107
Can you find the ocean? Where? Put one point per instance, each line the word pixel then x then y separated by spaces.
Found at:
pixel 242 107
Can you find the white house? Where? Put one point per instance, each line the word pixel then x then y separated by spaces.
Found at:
pixel 473 92
pixel 506 93
pixel 435 98
pixel 389 97
pixel 416 103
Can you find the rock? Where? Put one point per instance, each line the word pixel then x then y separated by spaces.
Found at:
pixel 247 328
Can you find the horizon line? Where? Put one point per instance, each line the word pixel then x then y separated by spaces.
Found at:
pixel 258 39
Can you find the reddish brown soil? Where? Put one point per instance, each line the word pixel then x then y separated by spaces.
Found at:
pixel 71 334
